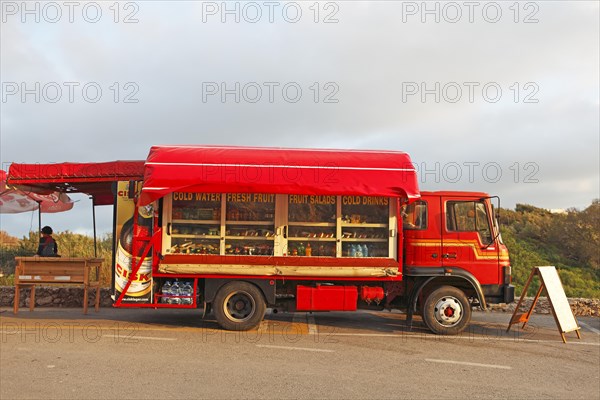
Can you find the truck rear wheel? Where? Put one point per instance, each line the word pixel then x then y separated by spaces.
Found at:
pixel 447 311
pixel 239 306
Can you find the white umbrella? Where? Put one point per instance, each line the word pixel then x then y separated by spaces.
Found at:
pixel 15 200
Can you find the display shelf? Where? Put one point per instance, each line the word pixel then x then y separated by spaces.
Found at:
pixel 365 240
pixel 229 225
pixel 308 239
pixel 197 221
pixel 258 223
pixel 207 253
pixel 182 236
pixel 365 225
pixel 313 224
pixel 249 238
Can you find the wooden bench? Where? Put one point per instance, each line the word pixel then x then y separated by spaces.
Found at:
pixel 32 271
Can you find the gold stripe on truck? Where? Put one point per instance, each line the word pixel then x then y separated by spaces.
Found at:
pixel 462 243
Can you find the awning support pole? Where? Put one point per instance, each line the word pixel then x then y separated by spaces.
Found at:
pixel 94 221
pixel 39 218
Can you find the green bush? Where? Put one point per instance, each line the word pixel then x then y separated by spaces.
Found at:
pixel 569 241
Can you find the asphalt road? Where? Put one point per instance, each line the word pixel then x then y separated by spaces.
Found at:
pixel 172 354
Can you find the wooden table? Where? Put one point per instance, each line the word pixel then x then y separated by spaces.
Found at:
pixel 32 271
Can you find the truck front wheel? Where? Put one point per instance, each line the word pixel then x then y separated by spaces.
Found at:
pixel 447 311
pixel 239 306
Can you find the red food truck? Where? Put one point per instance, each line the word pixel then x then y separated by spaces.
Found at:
pixel 237 230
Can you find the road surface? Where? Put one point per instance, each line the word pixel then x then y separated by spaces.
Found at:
pixel 56 353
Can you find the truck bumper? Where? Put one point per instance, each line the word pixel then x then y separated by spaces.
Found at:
pixel 509 293
pixel 499 293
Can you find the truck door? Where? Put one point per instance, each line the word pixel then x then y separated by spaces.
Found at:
pixel 468 242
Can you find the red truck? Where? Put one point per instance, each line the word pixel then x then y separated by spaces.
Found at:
pixel 238 230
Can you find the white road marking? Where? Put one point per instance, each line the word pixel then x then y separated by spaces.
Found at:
pixel 596 331
pixel 130 338
pixel 294 348
pixel 312 325
pixel 471 364
pixel 51 366
pixel 451 338
pixel 371 334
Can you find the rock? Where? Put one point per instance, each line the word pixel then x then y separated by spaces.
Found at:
pixel 42 301
pixel 580 307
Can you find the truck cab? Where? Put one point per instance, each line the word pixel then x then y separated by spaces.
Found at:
pixel 452 239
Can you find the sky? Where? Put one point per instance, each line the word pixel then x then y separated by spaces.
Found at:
pixel 501 97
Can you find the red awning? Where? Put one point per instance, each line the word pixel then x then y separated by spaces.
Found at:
pixel 94 179
pixel 277 170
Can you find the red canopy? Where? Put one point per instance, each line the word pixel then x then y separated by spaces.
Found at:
pixel 277 170
pixel 94 179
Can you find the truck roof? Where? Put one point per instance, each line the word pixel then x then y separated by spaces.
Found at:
pixel 199 168
pixel 454 193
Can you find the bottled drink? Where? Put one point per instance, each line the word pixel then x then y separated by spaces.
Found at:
pixel 188 291
pixel 140 283
pixel 175 291
pixel 365 250
pixel 166 292
pixel 191 292
pixel 308 250
pixel 359 252
pixel 352 250
pixel 301 250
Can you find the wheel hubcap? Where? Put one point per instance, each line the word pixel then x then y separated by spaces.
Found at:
pixel 448 311
pixel 239 306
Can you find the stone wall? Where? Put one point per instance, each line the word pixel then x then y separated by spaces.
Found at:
pixel 73 297
pixel 580 307
pixel 54 297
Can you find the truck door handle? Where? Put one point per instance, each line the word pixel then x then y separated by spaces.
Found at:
pixel 434 255
pixel 169 229
pixel 449 255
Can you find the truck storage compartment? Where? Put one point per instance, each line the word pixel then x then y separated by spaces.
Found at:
pixel 326 298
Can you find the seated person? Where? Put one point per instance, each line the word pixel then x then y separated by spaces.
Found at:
pixel 406 223
pixel 48 246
